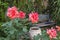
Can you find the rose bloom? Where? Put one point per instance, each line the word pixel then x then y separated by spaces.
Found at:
pixel 33 17
pixel 52 33
pixel 58 28
pixel 12 12
pixel 21 15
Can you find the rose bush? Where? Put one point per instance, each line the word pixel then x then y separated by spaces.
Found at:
pixel 18 27
pixel 19 24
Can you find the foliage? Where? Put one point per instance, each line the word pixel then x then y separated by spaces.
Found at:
pixel 17 29
pixel 26 5
pixel 3 7
pixel 14 30
pixel 54 7
pixel 58 12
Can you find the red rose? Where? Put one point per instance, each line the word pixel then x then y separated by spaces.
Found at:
pixel 52 33
pixel 21 15
pixel 33 17
pixel 12 12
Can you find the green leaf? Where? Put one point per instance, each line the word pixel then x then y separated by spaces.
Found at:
pixel 8 24
pixel 25 29
pixel 37 37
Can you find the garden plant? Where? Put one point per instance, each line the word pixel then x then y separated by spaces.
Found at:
pixel 18 16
